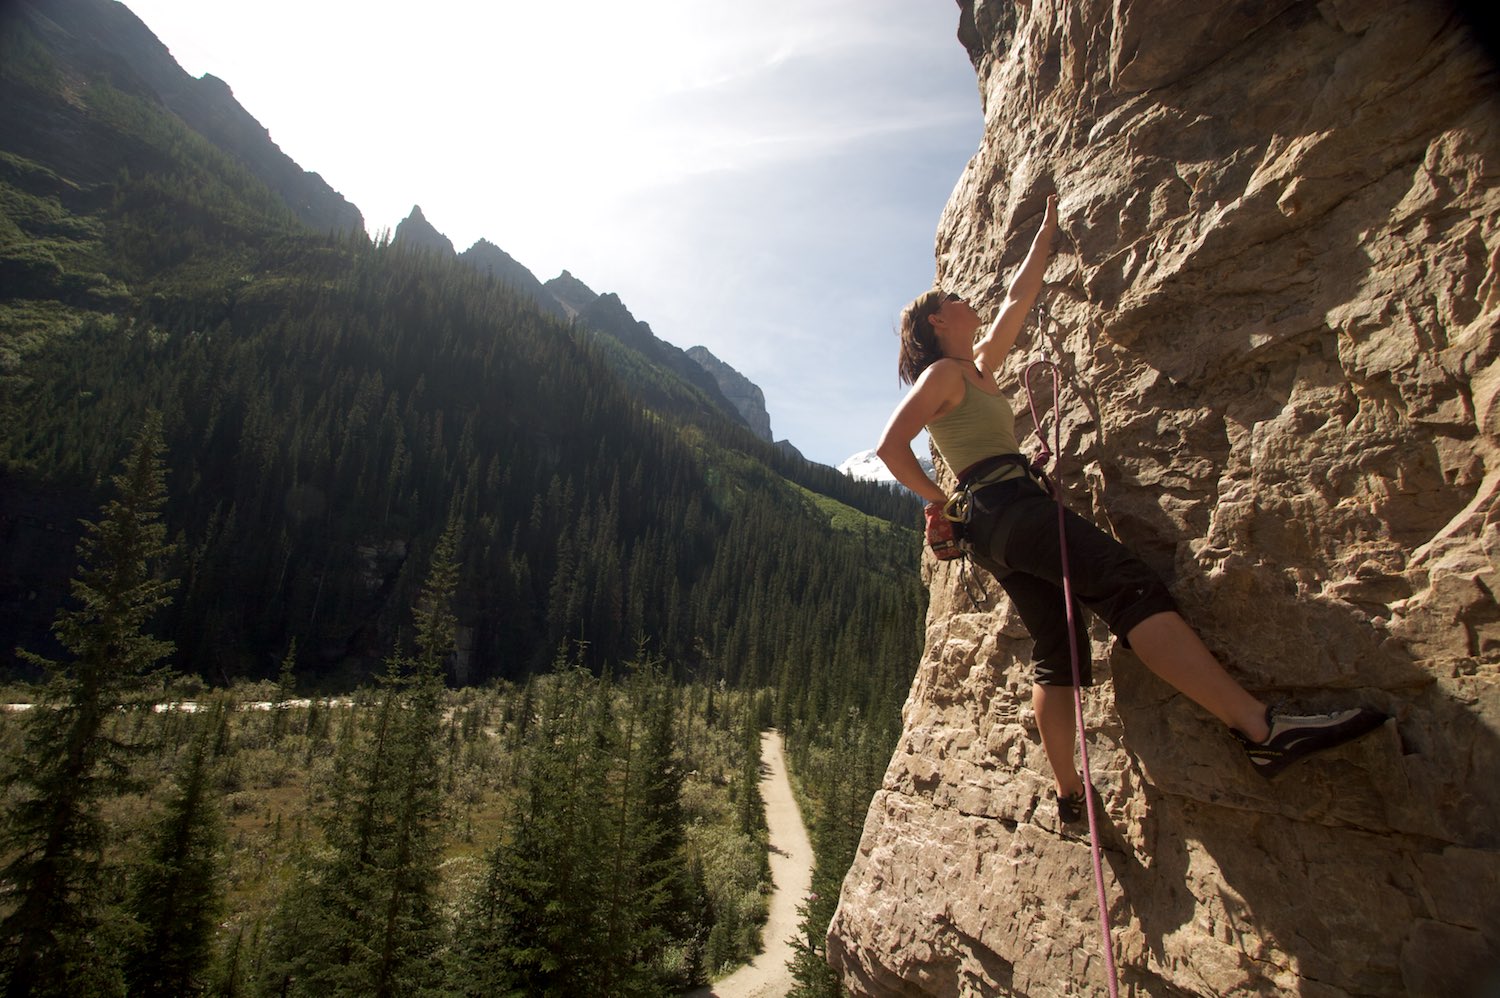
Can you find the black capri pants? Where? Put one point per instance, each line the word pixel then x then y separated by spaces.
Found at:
pixel 1021 550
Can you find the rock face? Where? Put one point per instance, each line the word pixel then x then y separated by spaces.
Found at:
pixel 744 394
pixel 1275 306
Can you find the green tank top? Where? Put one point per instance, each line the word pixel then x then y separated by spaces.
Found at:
pixel 980 426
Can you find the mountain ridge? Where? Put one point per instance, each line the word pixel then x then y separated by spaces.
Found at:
pixel 112 44
pixel 566 295
pixel 327 400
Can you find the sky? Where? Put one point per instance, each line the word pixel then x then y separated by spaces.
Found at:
pixel 761 177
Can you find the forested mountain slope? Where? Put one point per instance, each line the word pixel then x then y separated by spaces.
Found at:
pixel 329 403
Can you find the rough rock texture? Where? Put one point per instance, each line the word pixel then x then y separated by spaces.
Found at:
pixel 1275 306
pixel 743 393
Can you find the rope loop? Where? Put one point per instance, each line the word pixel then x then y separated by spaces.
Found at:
pixel 1044 456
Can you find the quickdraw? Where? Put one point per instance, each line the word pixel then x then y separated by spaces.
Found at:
pixel 959 511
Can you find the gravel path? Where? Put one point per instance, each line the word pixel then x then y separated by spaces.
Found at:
pixel 767 975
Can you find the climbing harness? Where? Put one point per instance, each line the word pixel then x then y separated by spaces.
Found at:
pixel 1083 748
pixel 960 508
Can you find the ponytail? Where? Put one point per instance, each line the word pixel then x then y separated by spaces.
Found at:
pixel 919 344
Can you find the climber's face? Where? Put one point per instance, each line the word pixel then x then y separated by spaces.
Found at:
pixel 954 318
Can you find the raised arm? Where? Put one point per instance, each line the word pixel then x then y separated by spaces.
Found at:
pixel 991 349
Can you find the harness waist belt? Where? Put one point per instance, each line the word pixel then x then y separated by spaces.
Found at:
pixel 985 466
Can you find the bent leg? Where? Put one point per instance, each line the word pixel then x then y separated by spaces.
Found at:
pixel 1041 606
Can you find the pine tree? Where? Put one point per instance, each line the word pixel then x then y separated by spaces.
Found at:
pixel 286 689
pixel 749 805
pixel 533 926
pixel 362 919
pixel 649 897
pixel 53 940
pixel 175 892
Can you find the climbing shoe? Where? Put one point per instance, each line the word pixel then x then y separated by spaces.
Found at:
pixel 1069 808
pixel 1295 736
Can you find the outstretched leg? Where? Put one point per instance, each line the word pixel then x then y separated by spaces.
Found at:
pixel 1131 598
pixel 1173 650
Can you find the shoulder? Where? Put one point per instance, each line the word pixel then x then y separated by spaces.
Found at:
pixel 947 372
pixel 942 384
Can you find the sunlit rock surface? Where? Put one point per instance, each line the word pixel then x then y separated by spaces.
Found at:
pixel 1275 305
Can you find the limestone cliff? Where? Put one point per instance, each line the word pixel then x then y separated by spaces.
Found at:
pixel 1275 302
pixel 744 394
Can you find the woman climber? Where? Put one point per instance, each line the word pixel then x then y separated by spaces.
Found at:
pixel 1013 534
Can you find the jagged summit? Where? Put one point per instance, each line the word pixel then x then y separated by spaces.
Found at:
pixel 565 296
pixel 415 232
pixel 102 39
pixel 571 293
pixel 487 258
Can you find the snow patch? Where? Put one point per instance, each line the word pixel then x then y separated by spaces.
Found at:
pixel 866 467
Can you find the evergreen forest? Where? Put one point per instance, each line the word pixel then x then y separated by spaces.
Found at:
pixel 470 616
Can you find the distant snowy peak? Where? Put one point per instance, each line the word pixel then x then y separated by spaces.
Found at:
pixel 866 467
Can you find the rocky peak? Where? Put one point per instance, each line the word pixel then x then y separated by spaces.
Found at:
pixel 743 394
pixel 608 314
pixel 415 232
pixel 1274 301
pixel 487 258
pixel 571 293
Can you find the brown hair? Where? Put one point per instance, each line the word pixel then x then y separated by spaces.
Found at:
pixel 919 344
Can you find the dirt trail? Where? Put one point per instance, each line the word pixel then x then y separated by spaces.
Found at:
pixel 767 975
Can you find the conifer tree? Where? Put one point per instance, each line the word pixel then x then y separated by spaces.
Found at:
pixel 363 917
pixel 286 689
pixel 643 898
pixel 653 909
pixel 175 892
pixel 533 926
pixel 53 941
pixel 748 803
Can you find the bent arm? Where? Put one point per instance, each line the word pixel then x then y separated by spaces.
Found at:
pixel 929 398
pixel 990 351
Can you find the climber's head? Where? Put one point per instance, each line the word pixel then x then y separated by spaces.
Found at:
pixel 931 319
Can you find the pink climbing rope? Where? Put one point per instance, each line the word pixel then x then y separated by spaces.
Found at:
pixel 1039 464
